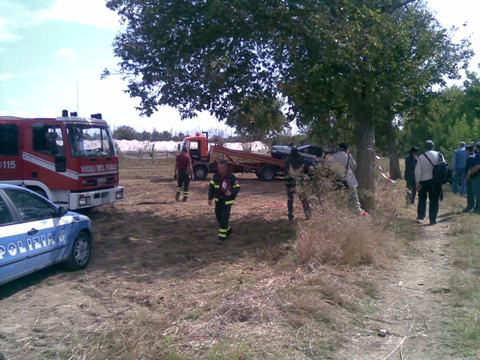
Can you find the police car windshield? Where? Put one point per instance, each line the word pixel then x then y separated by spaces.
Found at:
pixel 90 140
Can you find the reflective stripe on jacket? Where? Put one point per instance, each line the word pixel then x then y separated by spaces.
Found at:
pixel 219 185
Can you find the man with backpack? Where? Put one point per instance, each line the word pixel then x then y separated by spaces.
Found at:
pixel 431 173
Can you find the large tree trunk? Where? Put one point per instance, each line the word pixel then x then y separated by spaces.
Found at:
pixel 395 172
pixel 365 138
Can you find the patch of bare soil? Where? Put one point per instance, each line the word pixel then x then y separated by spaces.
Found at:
pixel 413 311
pixel 159 287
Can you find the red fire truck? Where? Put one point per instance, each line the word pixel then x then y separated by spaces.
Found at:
pixel 69 160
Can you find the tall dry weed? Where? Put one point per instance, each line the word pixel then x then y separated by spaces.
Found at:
pixel 336 234
pixel 389 199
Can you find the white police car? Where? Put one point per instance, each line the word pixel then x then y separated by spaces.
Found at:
pixel 34 233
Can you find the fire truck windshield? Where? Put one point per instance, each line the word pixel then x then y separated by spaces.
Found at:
pixel 90 140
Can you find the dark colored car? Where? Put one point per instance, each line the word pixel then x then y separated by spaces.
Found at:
pixel 310 153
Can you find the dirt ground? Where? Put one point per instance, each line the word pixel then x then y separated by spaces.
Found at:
pixel 414 308
pixel 157 273
pixel 151 255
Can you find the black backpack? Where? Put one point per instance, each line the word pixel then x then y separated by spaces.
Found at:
pixel 441 172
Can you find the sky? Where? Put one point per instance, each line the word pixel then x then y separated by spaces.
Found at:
pixel 51 48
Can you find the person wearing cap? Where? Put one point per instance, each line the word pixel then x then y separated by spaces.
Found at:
pixel 426 186
pixel 345 165
pixel 294 175
pixel 410 163
pixel 459 166
pixel 470 148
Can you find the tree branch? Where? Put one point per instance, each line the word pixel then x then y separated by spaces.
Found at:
pixel 392 9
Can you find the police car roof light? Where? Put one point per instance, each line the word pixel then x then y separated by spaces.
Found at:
pixel 64 113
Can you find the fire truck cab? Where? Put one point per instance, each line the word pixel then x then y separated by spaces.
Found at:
pixel 69 160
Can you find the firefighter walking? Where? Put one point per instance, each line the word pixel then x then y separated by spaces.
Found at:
pixel 183 174
pixel 223 190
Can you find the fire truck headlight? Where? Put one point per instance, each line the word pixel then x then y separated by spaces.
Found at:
pixel 119 194
pixel 84 200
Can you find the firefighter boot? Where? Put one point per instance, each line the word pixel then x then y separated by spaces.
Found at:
pixel 222 235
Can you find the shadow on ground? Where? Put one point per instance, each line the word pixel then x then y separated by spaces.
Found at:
pixel 167 247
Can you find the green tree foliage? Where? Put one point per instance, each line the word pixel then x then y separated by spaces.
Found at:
pixel 145 135
pixel 342 59
pixel 125 133
pixel 447 118
pixel 472 96
pixel 128 133
pixel 258 118
pixel 333 130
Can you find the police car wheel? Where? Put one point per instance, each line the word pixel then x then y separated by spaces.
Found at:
pixel 81 252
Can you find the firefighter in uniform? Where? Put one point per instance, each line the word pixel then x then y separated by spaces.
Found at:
pixel 294 173
pixel 223 190
pixel 183 174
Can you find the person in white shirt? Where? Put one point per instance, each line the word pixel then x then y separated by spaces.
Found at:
pixel 425 184
pixel 345 166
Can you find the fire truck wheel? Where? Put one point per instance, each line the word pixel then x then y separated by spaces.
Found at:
pixel 267 173
pixel 200 172
pixel 81 252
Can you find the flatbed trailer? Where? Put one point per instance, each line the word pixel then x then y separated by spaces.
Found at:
pixel 204 160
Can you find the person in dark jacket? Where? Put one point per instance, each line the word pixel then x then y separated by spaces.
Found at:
pixel 223 190
pixel 469 185
pixel 410 163
pixel 294 174
pixel 474 176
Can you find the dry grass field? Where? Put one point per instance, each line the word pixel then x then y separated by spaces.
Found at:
pixel 159 287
